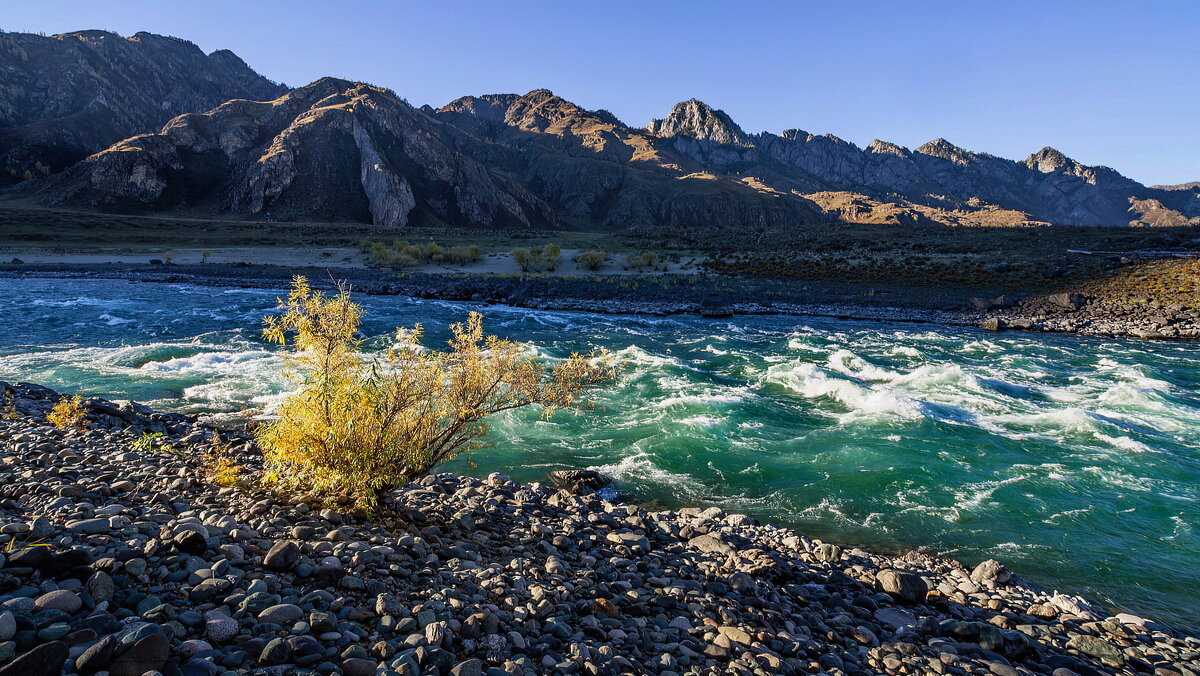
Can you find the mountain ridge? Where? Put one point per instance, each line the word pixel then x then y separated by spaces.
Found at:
pixel 501 160
pixel 1047 185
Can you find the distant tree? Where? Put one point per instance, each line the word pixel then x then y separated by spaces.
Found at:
pixel 592 260
pixel 524 258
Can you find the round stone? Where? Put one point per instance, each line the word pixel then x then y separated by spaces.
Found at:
pixel 283 614
pixel 62 599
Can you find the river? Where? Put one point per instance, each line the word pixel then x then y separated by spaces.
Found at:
pixel 1074 460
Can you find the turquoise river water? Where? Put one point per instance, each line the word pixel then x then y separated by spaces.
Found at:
pixel 1074 460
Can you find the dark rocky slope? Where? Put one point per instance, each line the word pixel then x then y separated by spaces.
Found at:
pixel 63 97
pixel 595 170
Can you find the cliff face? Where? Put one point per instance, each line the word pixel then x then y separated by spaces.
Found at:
pixel 66 96
pixel 334 150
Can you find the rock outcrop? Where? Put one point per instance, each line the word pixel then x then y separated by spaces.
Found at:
pixel 64 97
pixel 695 119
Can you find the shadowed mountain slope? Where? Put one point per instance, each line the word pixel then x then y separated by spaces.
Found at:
pixel 333 150
pixel 63 97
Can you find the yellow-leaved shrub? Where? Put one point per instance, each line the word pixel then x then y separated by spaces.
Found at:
pixel 68 412
pixel 358 425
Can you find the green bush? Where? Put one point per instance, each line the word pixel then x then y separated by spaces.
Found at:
pixel 642 261
pixel 543 259
pixel 400 253
pixel 592 260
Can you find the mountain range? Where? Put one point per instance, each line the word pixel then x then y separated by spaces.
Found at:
pixel 151 123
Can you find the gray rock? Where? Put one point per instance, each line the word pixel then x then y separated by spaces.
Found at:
pixel 98 656
pixel 219 627
pixel 1069 301
pixel 991 571
pixel 40 528
pixel 282 557
pixel 357 666
pixel 277 651
pixel 150 653
pixel 283 614
pixel 828 553
pixel 100 586
pixel 8 625
pixel 579 480
pixel 1092 646
pixel 904 587
pixel 895 618
pixel 62 599
pixel 44 660
pixel 468 668
pixel 710 544
pixel 389 604
pixel 88 526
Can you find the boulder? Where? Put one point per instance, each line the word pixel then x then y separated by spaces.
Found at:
pixel 1068 301
pixel 149 654
pixel 1096 647
pixel 902 586
pixel 44 660
pixel 579 480
pixel 282 557
pixel 991 571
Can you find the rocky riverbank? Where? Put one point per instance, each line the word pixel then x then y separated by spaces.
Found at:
pixel 1095 316
pixel 123 558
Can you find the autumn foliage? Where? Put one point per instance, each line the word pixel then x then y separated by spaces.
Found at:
pixel 359 424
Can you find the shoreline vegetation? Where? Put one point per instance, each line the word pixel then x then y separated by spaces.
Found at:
pixel 127 555
pixel 1107 281
pixel 1139 282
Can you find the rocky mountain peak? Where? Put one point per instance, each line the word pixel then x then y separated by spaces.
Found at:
pixel 1193 185
pixel 326 86
pixel 946 150
pixel 1048 160
pixel 696 119
pixel 878 147
pixel 794 135
pixel 333 150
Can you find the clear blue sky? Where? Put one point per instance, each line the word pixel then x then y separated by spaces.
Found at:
pixel 1106 82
